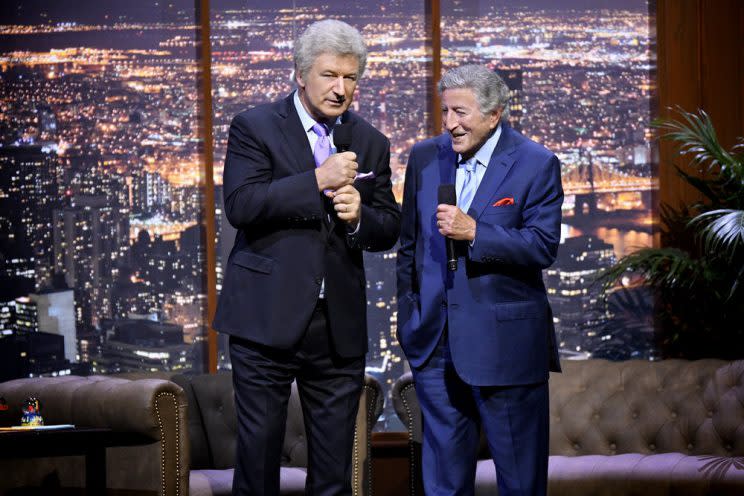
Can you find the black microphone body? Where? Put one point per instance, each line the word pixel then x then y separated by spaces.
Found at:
pixel 446 195
pixel 342 137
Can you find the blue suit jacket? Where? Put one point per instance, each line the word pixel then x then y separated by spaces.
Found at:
pixel 285 246
pixel 499 321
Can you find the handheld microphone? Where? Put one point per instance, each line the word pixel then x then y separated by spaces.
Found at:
pixel 342 137
pixel 446 195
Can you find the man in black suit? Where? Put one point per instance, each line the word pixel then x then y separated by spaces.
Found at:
pixel 293 299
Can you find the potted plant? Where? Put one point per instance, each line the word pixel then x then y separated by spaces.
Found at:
pixel 698 274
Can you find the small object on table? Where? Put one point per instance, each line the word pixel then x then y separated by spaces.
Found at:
pixel 32 412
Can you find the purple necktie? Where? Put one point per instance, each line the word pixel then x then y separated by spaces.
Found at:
pixel 323 146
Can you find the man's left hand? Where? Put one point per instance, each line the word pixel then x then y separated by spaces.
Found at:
pixel 454 223
pixel 348 204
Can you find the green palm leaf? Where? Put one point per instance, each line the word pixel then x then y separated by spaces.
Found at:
pixel 697 137
pixel 699 274
pixel 722 231
pixel 664 268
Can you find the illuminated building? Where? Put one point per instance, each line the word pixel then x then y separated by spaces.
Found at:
pixel 55 313
pixel 143 345
pixel 152 194
pixel 26 350
pixel 28 195
pixel 575 296
pixel 11 288
pixel 87 236
pixel 513 79
pixel 32 354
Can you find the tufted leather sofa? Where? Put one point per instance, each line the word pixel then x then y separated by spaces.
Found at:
pixel 671 427
pixel 190 423
pixel 155 409
pixel 213 437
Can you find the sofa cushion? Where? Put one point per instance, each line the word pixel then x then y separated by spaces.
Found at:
pixel 631 474
pixel 219 482
pixel 216 401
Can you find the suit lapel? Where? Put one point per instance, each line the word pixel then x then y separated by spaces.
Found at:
pixel 447 162
pixel 501 162
pixel 295 136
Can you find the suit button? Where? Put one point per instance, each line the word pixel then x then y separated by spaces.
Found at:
pixel 318 280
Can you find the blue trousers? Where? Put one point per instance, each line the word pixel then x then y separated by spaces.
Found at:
pixel 514 419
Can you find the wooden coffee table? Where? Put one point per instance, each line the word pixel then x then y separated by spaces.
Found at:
pixel 89 442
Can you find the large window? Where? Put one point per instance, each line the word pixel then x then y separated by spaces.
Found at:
pixel 102 242
pixel 581 84
pixel 101 205
pixel 252 64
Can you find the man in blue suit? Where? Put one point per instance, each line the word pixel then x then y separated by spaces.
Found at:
pixel 480 339
pixel 293 299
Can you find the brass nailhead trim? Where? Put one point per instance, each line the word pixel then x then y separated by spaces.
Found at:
pixel 370 412
pixel 163 444
pixel 411 451
pixel 371 392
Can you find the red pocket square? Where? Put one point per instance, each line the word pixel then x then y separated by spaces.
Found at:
pixel 504 202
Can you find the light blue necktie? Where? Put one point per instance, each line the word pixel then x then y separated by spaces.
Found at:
pixel 465 198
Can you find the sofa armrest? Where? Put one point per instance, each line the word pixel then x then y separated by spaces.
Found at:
pixel 723 397
pixel 369 411
pixel 153 408
pixel 407 407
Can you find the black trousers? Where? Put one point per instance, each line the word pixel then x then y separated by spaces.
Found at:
pixel 329 388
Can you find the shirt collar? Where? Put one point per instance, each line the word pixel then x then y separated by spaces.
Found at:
pixel 483 155
pixel 305 118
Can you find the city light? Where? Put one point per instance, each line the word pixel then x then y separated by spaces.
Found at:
pixel 101 160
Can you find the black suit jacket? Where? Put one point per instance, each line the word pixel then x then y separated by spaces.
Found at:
pixel 285 245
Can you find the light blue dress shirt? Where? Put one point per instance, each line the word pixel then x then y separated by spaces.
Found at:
pixel 307 124
pixel 481 157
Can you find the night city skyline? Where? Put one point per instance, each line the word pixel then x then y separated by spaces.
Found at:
pixel 100 166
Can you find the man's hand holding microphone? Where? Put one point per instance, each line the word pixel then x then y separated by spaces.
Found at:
pixel 336 178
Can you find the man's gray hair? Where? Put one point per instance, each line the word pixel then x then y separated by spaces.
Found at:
pixel 491 92
pixel 328 36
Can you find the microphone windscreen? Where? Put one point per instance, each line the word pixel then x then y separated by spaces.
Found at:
pixel 342 137
pixel 446 194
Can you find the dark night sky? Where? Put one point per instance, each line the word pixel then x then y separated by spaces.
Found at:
pixel 102 11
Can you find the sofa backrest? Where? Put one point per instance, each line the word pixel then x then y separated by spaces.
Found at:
pixel 201 454
pixel 213 427
pixel 635 406
pixel 153 408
